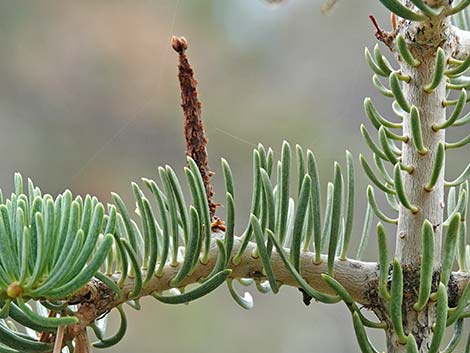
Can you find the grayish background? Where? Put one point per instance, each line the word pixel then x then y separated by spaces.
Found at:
pixel 89 101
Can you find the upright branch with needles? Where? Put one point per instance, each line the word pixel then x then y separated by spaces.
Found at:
pixel 67 262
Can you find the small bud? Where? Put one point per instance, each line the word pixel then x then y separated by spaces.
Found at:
pixel 14 290
pixel 179 44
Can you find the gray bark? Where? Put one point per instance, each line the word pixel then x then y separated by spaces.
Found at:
pixel 423 39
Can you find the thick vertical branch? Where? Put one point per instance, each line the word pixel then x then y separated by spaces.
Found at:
pixel 196 140
pixel 423 39
pixel 429 203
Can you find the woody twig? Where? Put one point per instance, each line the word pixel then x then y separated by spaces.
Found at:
pixel 381 35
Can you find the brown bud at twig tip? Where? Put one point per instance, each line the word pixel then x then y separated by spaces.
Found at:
pixel 194 133
pixel 179 44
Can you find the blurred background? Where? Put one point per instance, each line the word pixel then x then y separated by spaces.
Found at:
pixel 89 101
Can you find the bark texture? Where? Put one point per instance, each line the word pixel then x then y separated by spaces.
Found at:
pixel 423 39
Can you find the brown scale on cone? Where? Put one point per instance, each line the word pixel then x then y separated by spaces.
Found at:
pixel 196 140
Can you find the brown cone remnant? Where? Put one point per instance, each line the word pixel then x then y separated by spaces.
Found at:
pixel 194 133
